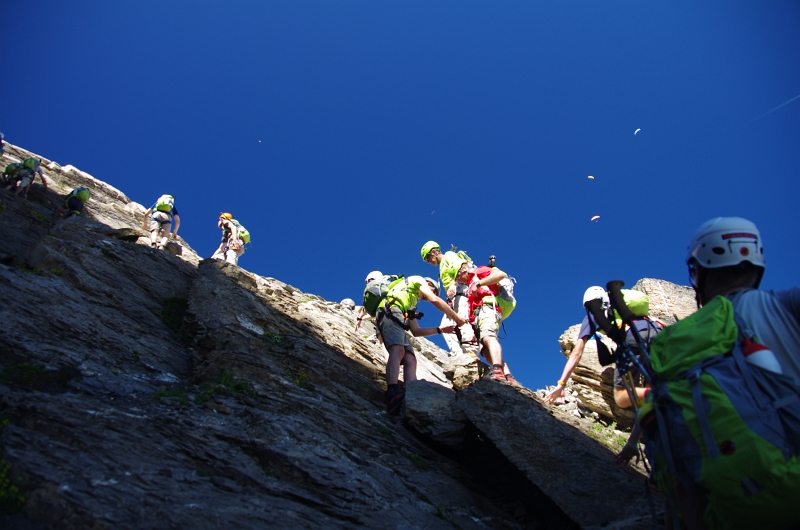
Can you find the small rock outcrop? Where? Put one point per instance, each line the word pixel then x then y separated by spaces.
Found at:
pixel 149 389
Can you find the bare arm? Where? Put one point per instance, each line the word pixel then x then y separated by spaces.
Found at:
pixel 572 362
pixel 426 294
pixel 427 332
pixel 146 215
pixel 233 229
pixel 177 219
pixel 362 315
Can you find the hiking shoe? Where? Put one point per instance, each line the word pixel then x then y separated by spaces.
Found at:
pixel 394 400
pixel 495 373
pixel 510 379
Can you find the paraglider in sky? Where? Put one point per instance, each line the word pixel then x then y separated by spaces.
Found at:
pixel 636 132
pixel 591 177
pixel 595 218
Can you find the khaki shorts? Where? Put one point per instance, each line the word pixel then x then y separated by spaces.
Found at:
pixel 487 320
pixel 160 221
pixel 392 332
pixel 26 179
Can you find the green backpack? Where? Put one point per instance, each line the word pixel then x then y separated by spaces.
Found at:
pixel 375 292
pixel 244 235
pixel 722 426
pixel 81 193
pixel 165 203
pixel 637 302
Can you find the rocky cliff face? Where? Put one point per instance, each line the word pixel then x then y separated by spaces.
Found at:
pixel 153 389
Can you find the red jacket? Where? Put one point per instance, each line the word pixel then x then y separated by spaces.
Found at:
pixel 476 299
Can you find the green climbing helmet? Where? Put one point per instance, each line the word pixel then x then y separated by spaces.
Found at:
pixel 427 247
pixel 30 163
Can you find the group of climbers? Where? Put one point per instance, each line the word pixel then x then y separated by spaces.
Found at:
pixel 19 176
pixel 478 299
pixel 481 295
pixel 161 219
pixel 721 425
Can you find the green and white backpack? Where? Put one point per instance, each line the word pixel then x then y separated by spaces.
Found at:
pixel 722 426
pixel 244 234
pixel 165 203
pixel 375 292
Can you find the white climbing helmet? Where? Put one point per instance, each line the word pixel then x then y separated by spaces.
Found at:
pixel 374 275
pixel 726 241
pixel 595 292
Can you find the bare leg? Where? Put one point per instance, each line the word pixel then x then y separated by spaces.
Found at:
pixel 409 367
pixel 396 356
pixel 491 350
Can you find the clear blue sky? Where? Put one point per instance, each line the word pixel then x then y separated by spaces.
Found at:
pixel 346 134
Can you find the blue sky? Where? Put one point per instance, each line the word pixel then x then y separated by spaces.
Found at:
pixel 346 134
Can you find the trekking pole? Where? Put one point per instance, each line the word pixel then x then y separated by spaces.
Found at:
pixel 618 303
pixel 595 307
pixel 624 358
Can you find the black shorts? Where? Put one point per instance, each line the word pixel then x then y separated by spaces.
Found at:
pixel 647 336
pixel 74 206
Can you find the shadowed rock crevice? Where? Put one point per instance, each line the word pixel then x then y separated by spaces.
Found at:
pixel 501 481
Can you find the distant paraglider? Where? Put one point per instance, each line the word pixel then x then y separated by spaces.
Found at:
pixel 595 218
pixel 591 177
pixel 636 132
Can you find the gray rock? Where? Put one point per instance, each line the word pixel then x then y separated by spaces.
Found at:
pixel 430 410
pixel 136 400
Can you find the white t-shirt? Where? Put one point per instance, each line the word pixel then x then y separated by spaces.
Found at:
pixel 774 316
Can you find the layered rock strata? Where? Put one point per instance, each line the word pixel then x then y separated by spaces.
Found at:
pixel 151 389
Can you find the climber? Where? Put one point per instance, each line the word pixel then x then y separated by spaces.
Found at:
pixel 486 311
pixel 450 262
pixel 2 144
pixel 398 315
pixel 648 328
pixel 73 203
pixel 362 313
pixel 725 261
pixel 234 239
pixel 21 175
pixel 160 217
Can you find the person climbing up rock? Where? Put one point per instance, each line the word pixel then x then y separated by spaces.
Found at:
pixel 487 309
pixel 648 328
pixel 19 177
pixel 450 262
pixel 158 221
pixel 362 313
pixel 234 239
pixel 397 316
pixel 73 203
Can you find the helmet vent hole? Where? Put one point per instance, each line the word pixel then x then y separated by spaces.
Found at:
pixel 718 251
